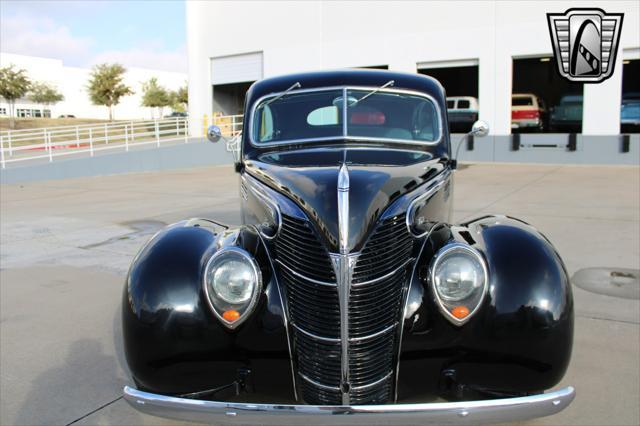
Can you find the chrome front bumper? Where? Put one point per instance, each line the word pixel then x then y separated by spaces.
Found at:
pixel 468 412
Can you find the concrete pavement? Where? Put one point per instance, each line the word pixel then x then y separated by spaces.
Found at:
pixel 65 247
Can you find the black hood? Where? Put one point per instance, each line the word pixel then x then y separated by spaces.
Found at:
pixel 377 178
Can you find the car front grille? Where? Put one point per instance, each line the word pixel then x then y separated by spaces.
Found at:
pixel 375 301
pixel 374 304
pixel 314 310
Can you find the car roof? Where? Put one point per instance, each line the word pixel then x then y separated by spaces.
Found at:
pixel 348 77
pixel 523 95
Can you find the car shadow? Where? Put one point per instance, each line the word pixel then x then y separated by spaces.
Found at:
pixel 69 391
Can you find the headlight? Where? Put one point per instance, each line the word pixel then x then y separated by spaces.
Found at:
pixel 232 283
pixel 459 280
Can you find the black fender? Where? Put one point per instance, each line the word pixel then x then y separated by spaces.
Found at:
pixel 173 342
pixel 518 342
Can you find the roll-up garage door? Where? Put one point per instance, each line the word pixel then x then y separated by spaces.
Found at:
pixel 236 68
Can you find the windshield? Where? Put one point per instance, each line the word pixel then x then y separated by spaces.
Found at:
pixel 319 115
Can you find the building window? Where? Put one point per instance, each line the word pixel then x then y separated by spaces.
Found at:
pixel 37 113
pixel 3 111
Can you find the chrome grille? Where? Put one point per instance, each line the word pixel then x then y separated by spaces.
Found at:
pixel 312 307
pixel 314 311
pixel 386 249
pixel 299 249
pixel 374 310
pixel 378 394
pixel 318 396
pixel 320 361
pixel 370 304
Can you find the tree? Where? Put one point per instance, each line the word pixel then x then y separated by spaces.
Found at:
pixel 180 99
pixel 155 96
pixel 182 96
pixel 14 84
pixel 106 86
pixel 45 94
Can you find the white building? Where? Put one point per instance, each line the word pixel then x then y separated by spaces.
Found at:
pixel 487 49
pixel 72 82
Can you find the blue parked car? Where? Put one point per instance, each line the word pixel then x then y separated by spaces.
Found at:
pixel 630 112
pixel 567 115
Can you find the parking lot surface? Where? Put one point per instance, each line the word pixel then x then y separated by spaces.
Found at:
pixel 66 245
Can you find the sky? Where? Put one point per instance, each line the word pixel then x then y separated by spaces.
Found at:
pixel 143 33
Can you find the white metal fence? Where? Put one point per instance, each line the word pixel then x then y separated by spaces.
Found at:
pixel 47 144
pixel 230 125
pixel 54 142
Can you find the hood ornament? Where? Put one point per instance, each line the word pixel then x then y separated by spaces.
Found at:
pixel 343 208
pixel 343 265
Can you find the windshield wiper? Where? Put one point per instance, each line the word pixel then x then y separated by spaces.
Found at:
pixel 296 85
pixel 387 84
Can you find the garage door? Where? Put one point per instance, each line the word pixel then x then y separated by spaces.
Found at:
pixel 236 68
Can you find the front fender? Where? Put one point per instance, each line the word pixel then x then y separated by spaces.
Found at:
pixel 520 340
pixel 173 343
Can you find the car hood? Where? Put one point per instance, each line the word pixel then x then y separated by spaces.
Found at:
pixel 377 178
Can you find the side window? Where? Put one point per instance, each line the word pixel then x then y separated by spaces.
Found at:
pixel 463 104
pixel 425 124
pixel 451 104
pixel 266 124
pixel 325 116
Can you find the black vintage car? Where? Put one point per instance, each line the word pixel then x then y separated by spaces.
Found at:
pixel 348 296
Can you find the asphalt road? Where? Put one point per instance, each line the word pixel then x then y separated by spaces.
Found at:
pixel 65 247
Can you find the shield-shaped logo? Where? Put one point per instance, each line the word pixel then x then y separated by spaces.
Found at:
pixel 585 43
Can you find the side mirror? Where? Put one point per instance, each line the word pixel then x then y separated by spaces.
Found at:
pixel 480 129
pixel 214 134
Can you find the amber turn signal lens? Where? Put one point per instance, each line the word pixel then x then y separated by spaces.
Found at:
pixel 231 315
pixel 460 312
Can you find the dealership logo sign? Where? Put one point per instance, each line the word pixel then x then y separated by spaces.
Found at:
pixel 585 43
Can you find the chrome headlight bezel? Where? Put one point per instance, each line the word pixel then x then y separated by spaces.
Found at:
pixel 217 306
pixel 445 305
